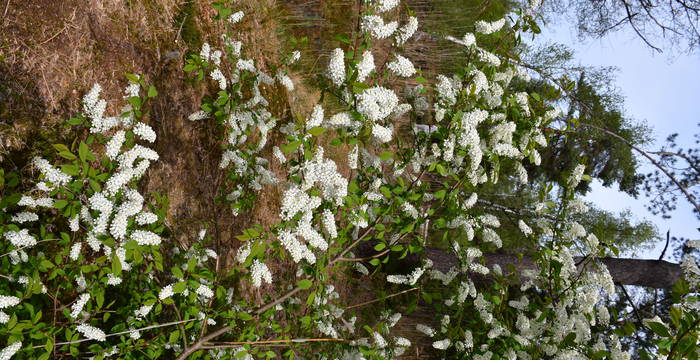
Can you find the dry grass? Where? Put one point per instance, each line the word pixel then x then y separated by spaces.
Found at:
pixel 52 52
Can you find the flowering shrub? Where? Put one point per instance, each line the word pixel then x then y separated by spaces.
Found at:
pixel 86 273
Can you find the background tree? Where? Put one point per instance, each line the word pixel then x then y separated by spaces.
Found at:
pixel 659 24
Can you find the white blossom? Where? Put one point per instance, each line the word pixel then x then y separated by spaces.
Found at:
pixel 145 218
pixel 24 217
pixel 285 80
pixel 375 25
pixel 144 310
pixel 336 67
pixel 75 250
pixel 145 132
pixel 79 304
pixel 365 66
pixel 329 224
pixel 316 118
pixel 235 17
pixel 8 301
pixel 52 174
pixel 427 330
pixel 20 238
pixel 524 227
pixel 259 273
pixel 484 27
pixel 143 237
pixel 204 291
pixel 166 292
pixel 467 40
pixel 402 67
pixel 199 115
pixel 381 134
pixel 92 332
pixel 406 32
pixel 576 176
pixel 377 103
pixel 442 344
pixel 8 352
pixel 243 253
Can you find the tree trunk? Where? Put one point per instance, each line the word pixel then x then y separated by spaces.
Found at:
pixel 649 273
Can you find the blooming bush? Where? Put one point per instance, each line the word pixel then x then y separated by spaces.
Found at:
pixel 87 273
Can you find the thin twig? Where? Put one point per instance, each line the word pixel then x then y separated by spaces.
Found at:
pixel 121 333
pixel 27 246
pixel 688 196
pixel 282 341
pixel 54 36
pixel 380 299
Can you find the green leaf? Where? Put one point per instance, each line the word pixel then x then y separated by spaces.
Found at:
pixel 379 247
pixel 116 266
pixel 94 185
pixel 180 287
pixel 316 131
pixel 440 194
pixel 174 336
pixel 60 204
pixel 342 38
pixel 386 155
pixel 287 148
pixel 100 298
pixel 658 328
pixel 305 284
pixel 152 92
pixel 60 148
pixel 71 169
pixel 85 153
pixel 74 121
pixel 67 155
pixel 133 78
pixel 177 272
pixel 191 264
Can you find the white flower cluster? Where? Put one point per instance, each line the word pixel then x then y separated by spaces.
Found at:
pixel 406 32
pixel 8 301
pixel 79 304
pixel 20 238
pixel 576 176
pixel 485 27
pixel 411 278
pixel 365 66
pixel 8 352
pixel 375 26
pixel 402 67
pixel 30 202
pixel 24 216
pixel 52 174
pixel 259 273
pixel 467 40
pixel 91 332
pixel 376 103
pixel 336 67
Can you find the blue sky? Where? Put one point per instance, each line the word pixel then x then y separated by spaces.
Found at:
pixel 660 89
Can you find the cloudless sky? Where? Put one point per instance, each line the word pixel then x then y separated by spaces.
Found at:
pixel 660 89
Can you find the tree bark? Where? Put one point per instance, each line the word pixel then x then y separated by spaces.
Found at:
pixel 657 274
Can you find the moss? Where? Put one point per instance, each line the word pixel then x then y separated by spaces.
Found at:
pixel 186 25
